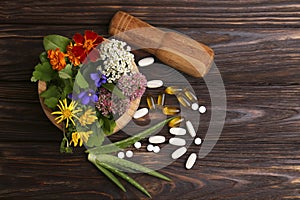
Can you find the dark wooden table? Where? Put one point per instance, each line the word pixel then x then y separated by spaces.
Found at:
pixel 257 47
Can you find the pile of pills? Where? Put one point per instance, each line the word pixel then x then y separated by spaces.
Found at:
pixel 187 99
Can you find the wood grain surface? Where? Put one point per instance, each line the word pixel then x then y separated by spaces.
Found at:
pixel 257 47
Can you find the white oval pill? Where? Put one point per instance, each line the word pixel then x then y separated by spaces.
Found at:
pixel 177 141
pixel 195 106
pixel 178 153
pixel 121 154
pixel 137 145
pixel 202 109
pixel 155 83
pixel 191 161
pixel 198 141
pixel 140 113
pixel 157 139
pixel 129 154
pixel 190 128
pixel 150 147
pixel 146 61
pixel 156 149
pixel 177 131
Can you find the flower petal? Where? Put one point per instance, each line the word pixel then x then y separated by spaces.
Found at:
pixel 94 76
pixel 85 100
pixel 95 98
pixel 78 38
pixel 82 94
pixel 93 55
pixel 90 35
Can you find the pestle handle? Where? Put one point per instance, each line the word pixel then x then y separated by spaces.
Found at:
pixel 173 49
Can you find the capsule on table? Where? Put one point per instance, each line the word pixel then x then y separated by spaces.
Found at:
pixel 161 100
pixel 175 122
pixel 183 100
pixel 150 102
pixel 170 110
pixel 190 95
pixel 173 90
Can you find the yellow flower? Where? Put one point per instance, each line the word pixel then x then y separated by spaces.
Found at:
pixel 81 137
pixel 66 112
pixel 88 117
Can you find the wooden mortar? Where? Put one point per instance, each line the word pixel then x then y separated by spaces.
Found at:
pixel 173 49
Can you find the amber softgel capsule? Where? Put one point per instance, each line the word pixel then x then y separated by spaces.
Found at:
pixel 171 110
pixel 175 122
pixel 173 90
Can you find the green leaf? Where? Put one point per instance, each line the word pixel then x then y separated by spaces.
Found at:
pixel 56 41
pixel 43 72
pixel 97 138
pixel 51 102
pixel 110 176
pixel 125 177
pixel 43 57
pixel 81 82
pixel 66 73
pixel 114 89
pixel 108 125
pixel 113 147
pixel 52 91
pixel 67 89
pixel 105 158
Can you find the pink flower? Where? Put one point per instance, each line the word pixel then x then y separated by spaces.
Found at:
pixel 133 86
pixel 104 102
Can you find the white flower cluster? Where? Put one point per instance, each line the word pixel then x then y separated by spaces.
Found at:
pixel 117 59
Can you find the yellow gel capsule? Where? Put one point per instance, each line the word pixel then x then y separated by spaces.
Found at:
pixel 173 90
pixel 183 100
pixel 150 102
pixel 175 122
pixel 161 99
pixel 190 95
pixel 169 110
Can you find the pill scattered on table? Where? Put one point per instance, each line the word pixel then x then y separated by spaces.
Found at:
pixel 190 128
pixel 146 61
pixel 137 145
pixel 191 161
pixel 157 139
pixel 197 141
pixel 129 153
pixel 195 106
pixel 177 141
pixel 121 154
pixel 175 122
pixel 177 131
pixel 202 109
pixel 140 113
pixel 155 83
pixel 179 152
pixel 150 147
pixel 156 149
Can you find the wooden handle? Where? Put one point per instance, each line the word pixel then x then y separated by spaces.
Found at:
pixel 173 49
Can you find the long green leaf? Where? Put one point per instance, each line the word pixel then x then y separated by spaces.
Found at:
pixel 93 160
pixel 125 177
pixel 113 160
pixel 110 176
pixel 113 147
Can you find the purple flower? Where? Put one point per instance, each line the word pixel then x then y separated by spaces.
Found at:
pixel 98 78
pixel 88 96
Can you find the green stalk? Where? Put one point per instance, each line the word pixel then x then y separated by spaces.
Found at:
pixel 107 173
pixel 122 144
pixel 113 160
pixel 124 176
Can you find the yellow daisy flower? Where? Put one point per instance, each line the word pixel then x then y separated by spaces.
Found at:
pixel 66 112
pixel 88 117
pixel 81 137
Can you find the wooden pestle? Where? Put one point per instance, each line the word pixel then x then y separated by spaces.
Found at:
pixel 173 49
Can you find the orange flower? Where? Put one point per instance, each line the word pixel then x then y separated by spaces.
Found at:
pixel 71 56
pixel 57 59
pixel 84 45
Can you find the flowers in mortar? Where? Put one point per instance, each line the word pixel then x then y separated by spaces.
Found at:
pixel 90 83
